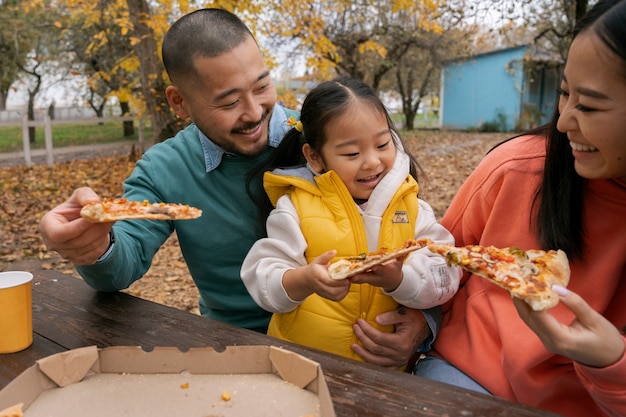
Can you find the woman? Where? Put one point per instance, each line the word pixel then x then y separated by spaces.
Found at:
pixel 562 187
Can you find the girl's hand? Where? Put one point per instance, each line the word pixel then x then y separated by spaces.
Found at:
pixel 313 278
pixel 387 276
pixel 590 339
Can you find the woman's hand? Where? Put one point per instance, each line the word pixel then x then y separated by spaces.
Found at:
pixel 590 339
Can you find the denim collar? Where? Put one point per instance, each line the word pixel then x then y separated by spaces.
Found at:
pixel 213 153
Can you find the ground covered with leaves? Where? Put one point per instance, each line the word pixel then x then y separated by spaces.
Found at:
pixel 27 193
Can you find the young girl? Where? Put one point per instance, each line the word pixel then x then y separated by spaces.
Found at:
pixel 563 187
pixel 346 189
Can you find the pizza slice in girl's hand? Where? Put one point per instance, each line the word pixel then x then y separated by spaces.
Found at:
pixel 354 265
pixel 113 209
pixel 528 275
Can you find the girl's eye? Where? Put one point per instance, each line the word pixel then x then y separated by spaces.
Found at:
pixel 351 155
pixel 384 145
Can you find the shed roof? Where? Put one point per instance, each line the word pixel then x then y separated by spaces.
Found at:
pixel 533 54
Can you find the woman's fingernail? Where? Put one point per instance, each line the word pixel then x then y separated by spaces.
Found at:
pixel 562 291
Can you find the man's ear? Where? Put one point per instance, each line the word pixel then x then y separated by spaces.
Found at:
pixel 175 99
pixel 313 158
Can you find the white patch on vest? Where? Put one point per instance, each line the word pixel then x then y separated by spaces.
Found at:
pixel 400 217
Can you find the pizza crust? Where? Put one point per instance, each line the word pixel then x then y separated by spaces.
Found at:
pixel 114 209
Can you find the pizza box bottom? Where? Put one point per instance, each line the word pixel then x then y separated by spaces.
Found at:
pixel 128 381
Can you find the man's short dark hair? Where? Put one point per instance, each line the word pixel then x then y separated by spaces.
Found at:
pixel 203 33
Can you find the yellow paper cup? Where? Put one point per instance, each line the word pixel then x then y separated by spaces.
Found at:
pixel 16 311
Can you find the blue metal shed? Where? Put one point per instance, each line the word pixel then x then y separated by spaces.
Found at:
pixel 507 89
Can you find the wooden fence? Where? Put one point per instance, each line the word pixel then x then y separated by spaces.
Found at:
pixel 47 124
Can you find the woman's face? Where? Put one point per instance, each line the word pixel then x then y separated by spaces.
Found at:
pixel 593 108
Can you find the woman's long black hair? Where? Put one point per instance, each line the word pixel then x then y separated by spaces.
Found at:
pixel 559 201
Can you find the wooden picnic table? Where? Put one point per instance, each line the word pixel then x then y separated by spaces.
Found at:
pixel 68 314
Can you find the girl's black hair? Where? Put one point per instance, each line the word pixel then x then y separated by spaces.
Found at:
pixel 324 103
pixel 559 200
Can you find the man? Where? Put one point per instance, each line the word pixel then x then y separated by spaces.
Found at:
pixel 220 82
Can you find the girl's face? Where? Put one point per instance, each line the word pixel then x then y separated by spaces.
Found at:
pixel 593 108
pixel 359 147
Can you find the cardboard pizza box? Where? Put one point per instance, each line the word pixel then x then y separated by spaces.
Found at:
pixel 128 381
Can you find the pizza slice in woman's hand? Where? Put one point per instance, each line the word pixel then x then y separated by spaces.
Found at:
pixel 528 275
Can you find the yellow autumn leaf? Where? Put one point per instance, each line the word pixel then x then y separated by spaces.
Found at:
pixel 373 47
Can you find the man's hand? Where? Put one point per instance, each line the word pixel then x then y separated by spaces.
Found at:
pixel 75 239
pixel 392 350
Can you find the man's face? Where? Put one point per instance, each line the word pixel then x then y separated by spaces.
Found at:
pixel 232 100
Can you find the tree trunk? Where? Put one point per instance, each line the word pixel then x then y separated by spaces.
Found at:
pixel 152 82
pixel 31 115
pixel 581 9
pixel 405 87
pixel 409 120
pixel 32 94
pixel 128 126
pixel 3 101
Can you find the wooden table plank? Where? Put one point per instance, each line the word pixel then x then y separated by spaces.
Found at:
pixel 12 364
pixel 67 314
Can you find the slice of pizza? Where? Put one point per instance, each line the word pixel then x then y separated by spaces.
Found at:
pixel 114 209
pixel 354 265
pixel 528 275
pixel 13 411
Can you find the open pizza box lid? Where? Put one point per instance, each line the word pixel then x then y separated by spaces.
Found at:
pixel 128 381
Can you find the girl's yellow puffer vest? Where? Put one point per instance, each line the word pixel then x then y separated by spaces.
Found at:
pixel 329 219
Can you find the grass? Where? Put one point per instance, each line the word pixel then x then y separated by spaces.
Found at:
pixel 68 135
pixel 421 121
pixel 110 132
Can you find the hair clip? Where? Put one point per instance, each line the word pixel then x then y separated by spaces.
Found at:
pixel 297 124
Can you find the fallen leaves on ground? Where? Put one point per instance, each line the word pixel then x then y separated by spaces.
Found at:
pixel 447 158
